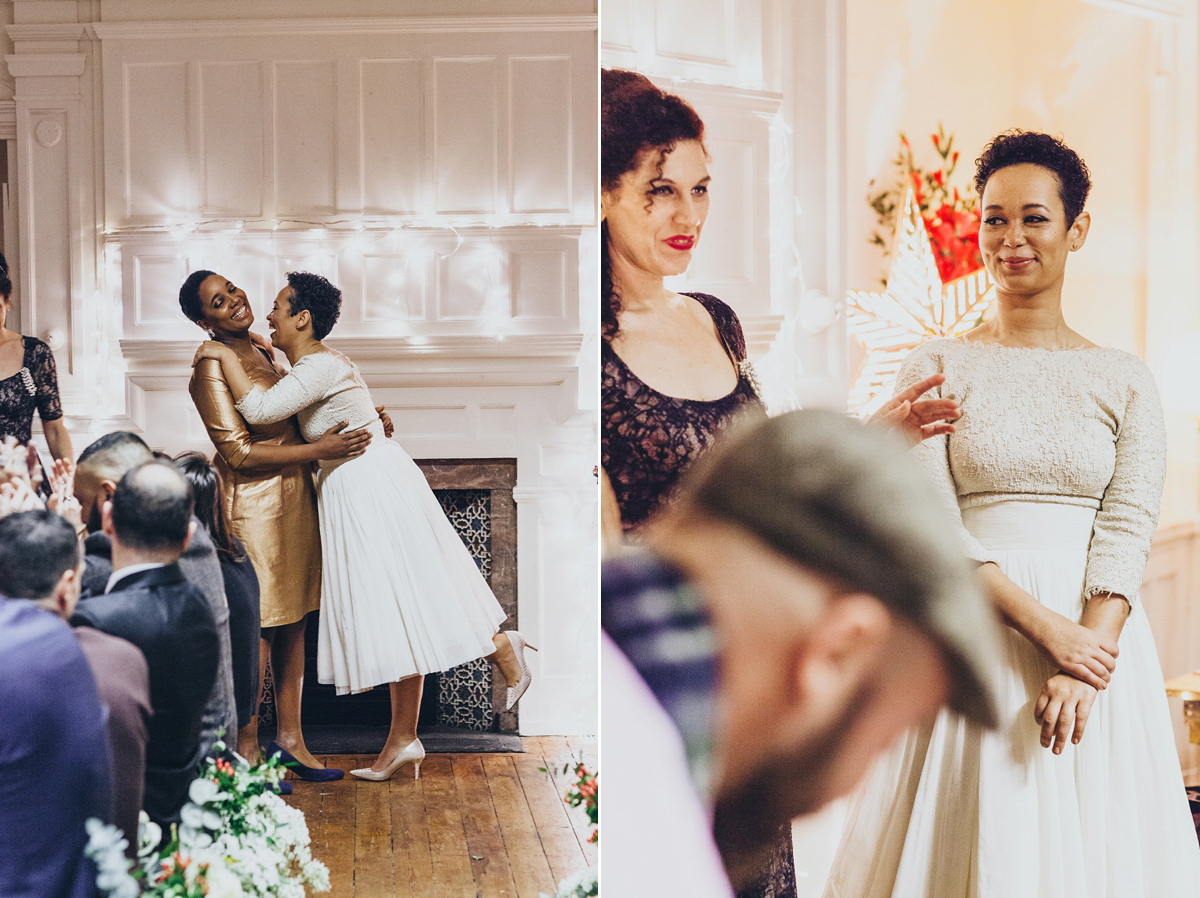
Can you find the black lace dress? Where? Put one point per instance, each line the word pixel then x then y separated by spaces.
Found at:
pixel 35 386
pixel 649 438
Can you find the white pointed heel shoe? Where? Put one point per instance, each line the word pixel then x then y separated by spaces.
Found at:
pixel 413 753
pixel 516 690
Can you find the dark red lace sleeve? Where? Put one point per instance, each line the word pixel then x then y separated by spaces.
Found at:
pixel 649 438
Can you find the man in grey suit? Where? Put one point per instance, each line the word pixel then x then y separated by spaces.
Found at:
pixel 149 602
pixel 101 465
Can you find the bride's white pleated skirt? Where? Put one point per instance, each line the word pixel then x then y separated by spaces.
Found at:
pixel 400 593
pixel 958 812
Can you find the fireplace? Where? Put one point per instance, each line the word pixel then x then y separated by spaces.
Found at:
pixel 463 704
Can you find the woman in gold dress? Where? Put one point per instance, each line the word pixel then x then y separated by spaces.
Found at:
pixel 270 501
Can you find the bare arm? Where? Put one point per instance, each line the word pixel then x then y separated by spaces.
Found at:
pixel 1082 650
pixel 58 439
pixel 1065 702
pixel 611 534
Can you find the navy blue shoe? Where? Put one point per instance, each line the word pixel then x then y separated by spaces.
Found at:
pixel 283 787
pixel 312 774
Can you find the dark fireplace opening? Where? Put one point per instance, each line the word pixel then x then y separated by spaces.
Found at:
pixel 462 707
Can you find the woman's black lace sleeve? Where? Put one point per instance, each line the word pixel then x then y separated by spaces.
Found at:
pixel 40 361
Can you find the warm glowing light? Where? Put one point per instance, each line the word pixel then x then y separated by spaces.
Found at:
pixel 915 307
pixel 1178 373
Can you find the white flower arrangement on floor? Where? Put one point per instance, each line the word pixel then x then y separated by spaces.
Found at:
pixel 584 884
pixel 237 839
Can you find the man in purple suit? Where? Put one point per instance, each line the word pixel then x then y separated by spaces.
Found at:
pixel 41 560
pixel 54 756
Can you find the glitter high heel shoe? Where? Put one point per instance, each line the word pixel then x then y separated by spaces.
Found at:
pixel 516 690
pixel 413 753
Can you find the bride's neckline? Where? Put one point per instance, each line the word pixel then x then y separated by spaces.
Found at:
pixel 992 343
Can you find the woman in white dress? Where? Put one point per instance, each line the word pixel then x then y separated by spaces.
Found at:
pixel 400 595
pixel 1056 472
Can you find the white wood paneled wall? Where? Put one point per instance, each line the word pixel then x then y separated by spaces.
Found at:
pixel 1168 592
pixel 435 160
pixel 767 78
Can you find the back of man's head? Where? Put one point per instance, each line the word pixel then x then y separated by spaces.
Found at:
pixel 36 548
pixel 112 455
pixel 152 509
pixel 848 502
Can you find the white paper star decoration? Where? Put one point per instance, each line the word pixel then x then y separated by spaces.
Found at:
pixel 915 307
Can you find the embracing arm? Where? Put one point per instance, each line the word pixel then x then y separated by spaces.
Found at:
pixel 235 376
pixel 227 429
pixel 311 380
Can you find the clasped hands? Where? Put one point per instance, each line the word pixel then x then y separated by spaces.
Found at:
pixel 1086 661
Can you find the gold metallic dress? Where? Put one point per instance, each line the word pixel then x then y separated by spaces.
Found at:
pixel 273 511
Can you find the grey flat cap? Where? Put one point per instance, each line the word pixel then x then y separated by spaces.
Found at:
pixel 848 501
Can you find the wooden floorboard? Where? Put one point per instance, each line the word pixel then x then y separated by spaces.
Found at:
pixel 532 876
pixel 452 873
pixel 338 814
pixel 372 839
pixel 410 839
pixel 558 753
pixel 472 826
pixel 489 860
pixel 559 843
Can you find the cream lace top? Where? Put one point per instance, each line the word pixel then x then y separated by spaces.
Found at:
pixel 1078 426
pixel 321 390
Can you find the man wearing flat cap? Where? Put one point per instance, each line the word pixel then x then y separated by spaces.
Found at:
pixel 793 612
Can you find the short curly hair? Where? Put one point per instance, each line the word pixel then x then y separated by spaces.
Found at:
pixel 1016 147
pixel 636 118
pixel 189 295
pixel 314 294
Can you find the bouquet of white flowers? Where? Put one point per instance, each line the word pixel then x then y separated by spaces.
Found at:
pixel 237 839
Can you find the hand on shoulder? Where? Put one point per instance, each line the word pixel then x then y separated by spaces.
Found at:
pixel 211 349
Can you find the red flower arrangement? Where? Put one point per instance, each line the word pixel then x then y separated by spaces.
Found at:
pixel 951 216
pixel 585 791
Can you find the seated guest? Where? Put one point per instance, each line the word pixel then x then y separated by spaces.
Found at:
pixel 241 590
pixel 101 465
pixel 150 603
pixel 54 760
pixel 793 612
pixel 40 559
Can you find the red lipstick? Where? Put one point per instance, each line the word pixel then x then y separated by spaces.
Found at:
pixel 680 242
